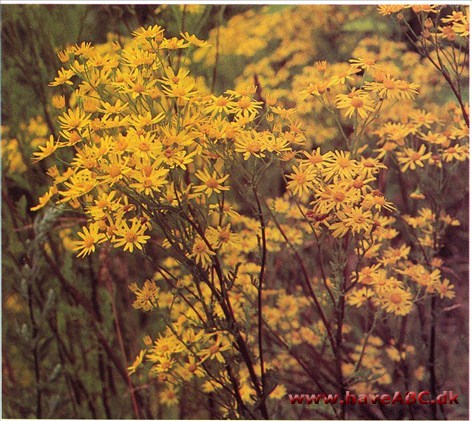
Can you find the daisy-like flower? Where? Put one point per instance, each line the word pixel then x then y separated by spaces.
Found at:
pixel 247 107
pixel 457 152
pixel 201 253
pixel 137 362
pixel 335 196
pixel 410 158
pixel 396 300
pixel 146 297
pixel 355 219
pixel 73 119
pixel 131 237
pixel 445 289
pixel 46 150
pixel 223 237
pixel 250 143
pixel 377 200
pixel 316 88
pixel 193 368
pixel 63 78
pixel 220 104
pixel 214 351
pixel 359 296
pixel 211 182
pixel 342 76
pixel 315 158
pixel 155 31
pixel 388 9
pixel 392 89
pixel 357 101
pixel 45 198
pixel 392 255
pixel 193 40
pixel 89 238
pixel 301 180
pixel 339 166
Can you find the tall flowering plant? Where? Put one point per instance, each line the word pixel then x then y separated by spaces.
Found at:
pixel 247 282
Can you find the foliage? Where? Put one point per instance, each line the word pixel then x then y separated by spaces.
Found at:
pixel 290 230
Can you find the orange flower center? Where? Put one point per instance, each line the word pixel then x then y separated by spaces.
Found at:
pixel 339 196
pixel 131 237
pixel 221 102
pixel 212 183
pixel 315 159
pixel 244 103
pixel 89 241
pixel 344 162
pixel 114 171
pixel 389 84
pixel 138 88
pixel 147 170
pixel 102 204
pixel 300 178
pixel 396 298
pixel 144 147
pixel 359 219
pixel 214 349
pixel 356 102
pixel 200 247
pixel 165 365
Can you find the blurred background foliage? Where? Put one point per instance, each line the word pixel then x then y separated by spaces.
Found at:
pixel 69 329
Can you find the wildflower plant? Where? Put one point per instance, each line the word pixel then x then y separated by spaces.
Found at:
pixel 246 284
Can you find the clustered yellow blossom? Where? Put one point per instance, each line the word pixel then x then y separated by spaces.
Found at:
pixel 158 162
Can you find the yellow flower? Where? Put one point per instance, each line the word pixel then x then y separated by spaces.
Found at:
pixel 211 183
pixel 214 351
pixel 220 104
pixel 250 143
pixel 388 9
pixel 390 88
pixel 192 368
pixel 357 101
pixel 377 200
pixel 89 238
pixel 397 301
pixel 222 238
pixel 131 237
pixel 359 296
pixel 169 396
pixel 335 196
pixel 58 101
pixel 354 219
pixel 301 180
pixel 410 158
pixel 456 152
pixel 137 362
pixel 45 151
pixel 73 119
pixel 146 298
pixel 246 107
pixel 150 32
pixel 63 78
pixel 445 289
pixel 45 198
pixel 201 253
pixel 193 40
pixel 338 165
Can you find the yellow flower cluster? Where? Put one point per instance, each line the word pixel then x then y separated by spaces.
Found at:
pixel 158 163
